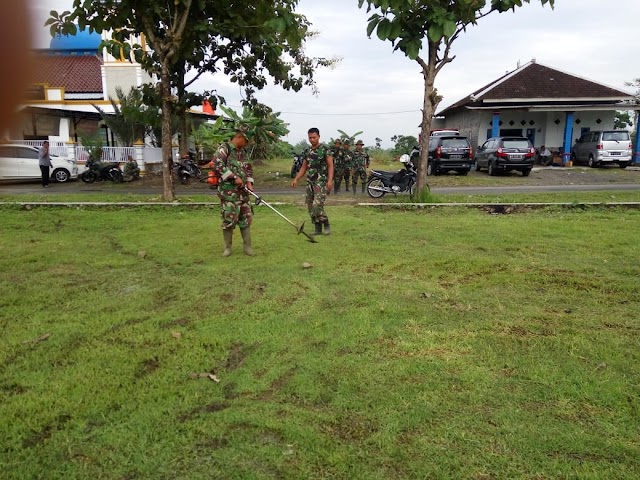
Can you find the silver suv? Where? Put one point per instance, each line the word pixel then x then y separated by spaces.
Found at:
pixel 603 147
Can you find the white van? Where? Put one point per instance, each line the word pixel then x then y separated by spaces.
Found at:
pixel 603 147
pixel 20 162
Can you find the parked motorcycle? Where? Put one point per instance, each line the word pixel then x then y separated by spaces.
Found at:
pixel 403 181
pixel 98 171
pixel 297 164
pixel 186 168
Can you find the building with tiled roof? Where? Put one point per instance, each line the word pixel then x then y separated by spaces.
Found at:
pixel 70 77
pixel 551 107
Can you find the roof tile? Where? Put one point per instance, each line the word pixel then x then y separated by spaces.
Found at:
pixel 75 73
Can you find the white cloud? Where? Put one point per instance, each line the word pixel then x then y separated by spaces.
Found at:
pixel 590 38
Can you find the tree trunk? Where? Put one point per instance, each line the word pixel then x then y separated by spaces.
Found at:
pixel 429 105
pixel 167 153
pixel 182 111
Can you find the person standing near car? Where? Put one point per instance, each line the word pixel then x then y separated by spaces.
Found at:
pixel 232 167
pixel 360 165
pixel 44 160
pixel 318 165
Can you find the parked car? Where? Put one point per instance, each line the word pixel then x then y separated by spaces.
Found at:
pixel 443 131
pixel 449 153
pixel 603 147
pixel 502 154
pixel 20 162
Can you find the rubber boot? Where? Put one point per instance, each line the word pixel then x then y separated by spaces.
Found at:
pixel 246 239
pixel 364 187
pixel 228 239
pixel 327 227
pixel 318 230
pixel 353 188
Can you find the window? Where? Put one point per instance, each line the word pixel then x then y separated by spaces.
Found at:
pixel 455 143
pixel 24 152
pixel 9 152
pixel 615 136
pixel 515 143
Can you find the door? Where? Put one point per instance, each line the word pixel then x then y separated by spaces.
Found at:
pixel 9 163
pixel 531 135
pixel 29 165
pixel 481 154
pixel 579 149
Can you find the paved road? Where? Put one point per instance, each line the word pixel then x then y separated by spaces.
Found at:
pixel 79 187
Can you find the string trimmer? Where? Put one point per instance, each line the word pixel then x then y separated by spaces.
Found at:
pixel 299 229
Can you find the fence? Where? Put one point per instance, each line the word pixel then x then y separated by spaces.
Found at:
pixel 56 147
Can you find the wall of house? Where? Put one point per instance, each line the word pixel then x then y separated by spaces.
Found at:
pixel 123 75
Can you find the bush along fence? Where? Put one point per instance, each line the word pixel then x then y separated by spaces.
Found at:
pixel 149 158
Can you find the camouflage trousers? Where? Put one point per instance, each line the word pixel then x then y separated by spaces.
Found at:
pixel 237 211
pixel 359 174
pixel 340 174
pixel 315 197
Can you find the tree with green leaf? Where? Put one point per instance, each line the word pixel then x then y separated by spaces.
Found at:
pixel 403 144
pixel 424 30
pixel 249 42
pixel 132 120
pixel 622 120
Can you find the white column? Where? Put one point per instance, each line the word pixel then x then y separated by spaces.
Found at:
pixel 65 129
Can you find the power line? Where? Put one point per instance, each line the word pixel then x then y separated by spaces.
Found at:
pixel 343 114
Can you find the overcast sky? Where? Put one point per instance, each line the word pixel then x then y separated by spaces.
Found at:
pixel 381 92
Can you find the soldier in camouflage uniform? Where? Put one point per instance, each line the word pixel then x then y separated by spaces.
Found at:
pixel 236 176
pixel 318 165
pixel 348 162
pixel 338 164
pixel 360 165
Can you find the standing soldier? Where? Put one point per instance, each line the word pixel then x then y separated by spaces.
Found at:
pixel 348 162
pixel 231 166
pixel 360 165
pixel 318 165
pixel 338 163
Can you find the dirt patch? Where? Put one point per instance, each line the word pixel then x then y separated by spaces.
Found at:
pixel 147 367
pixel 353 427
pixel 210 408
pixel 236 357
pixel 179 322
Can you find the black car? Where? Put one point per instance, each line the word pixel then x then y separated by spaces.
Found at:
pixel 450 152
pixel 503 154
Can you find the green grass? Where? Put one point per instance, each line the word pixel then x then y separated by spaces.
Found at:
pixel 448 344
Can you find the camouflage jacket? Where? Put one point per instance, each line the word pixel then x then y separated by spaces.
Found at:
pixel 338 156
pixel 347 158
pixel 317 169
pixel 227 164
pixel 360 160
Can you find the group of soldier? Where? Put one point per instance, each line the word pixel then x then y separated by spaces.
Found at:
pixel 322 164
pixel 349 165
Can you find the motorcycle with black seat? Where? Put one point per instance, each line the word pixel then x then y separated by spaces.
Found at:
pixel 98 171
pixel 380 182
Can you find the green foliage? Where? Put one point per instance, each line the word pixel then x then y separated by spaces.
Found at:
pixel 622 120
pixel 132 119
pixel 264 130
pixel 403 143
pixel 94 145
pixel 352 138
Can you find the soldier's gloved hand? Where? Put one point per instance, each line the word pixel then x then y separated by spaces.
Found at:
pixel 249 186
pixel 238 181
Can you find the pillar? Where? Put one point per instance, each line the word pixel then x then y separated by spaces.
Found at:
pixel 568 138
pixel 71 149
pixel 495 125
pixel 138 155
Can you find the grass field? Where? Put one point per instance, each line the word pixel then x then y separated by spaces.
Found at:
pixel 440 344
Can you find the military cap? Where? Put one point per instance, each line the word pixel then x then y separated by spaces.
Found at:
pixel 244 130
pixel 337 140
pixel 346 141
pixel 359 142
